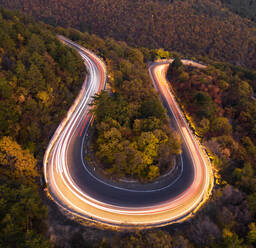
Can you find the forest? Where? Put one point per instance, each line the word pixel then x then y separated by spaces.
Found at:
pixel 133 138
pixel 132 128
pixel 220 102
pixel 192 27
pixel 244 8
pixel 39 79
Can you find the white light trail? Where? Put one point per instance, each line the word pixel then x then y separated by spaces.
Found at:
pixel 69 195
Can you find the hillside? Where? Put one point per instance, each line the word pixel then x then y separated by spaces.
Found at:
pixel 220 101
pixel 245 8
pixel 39 78
pixel 201 27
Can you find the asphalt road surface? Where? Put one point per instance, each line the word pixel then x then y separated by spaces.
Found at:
pixel 75 187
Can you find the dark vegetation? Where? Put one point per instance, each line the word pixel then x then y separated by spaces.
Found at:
pixel 39 78
pixel 193 27
pixel 244 8
pixel 220 100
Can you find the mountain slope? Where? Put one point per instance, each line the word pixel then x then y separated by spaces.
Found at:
pixel 39 78
pixel 245 8
pixel 195 27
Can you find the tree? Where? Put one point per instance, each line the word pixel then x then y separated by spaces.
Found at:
pixel 153 172
pixel 36 44
pixel 31 77
pixel 204 104
pixel 183 76
pixel 220 126
pixel 147 142
pixel 33 239
pixel 252 202
pixel 34 80
pixel 231 239
pixel 107 143
pixel 151 239
pixel 152 107
pixel 21 210
pixel 5 89
pixel 175 68
pixel 251 236
pixel 44 97
pixel 21 162
pixel 21 72
pixel 204 127
pixel 161 53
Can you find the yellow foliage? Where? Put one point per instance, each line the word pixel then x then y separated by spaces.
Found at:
pixel 11 154
pixel 20 38
pixel 227 233
pixel 147 159
pixel 21 98
pixel 161 53
pixel 153 172
pixel 44 97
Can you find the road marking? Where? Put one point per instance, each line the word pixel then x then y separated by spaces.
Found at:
pixel 58 159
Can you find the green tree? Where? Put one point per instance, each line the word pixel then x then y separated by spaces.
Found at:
pixel 36 44
pixel 21 72
pixel 204 104
pixel 152 107
pixel 251 236
pixel 231 239
pixel 252 202
pixel 5 89
pixel 34 80
pixel 220 126
pixel 204 127
pixel 20 212
pixel 33 239
pixel 183 76
pixel 175 68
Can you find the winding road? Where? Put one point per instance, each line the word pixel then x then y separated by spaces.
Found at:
pixel 77 189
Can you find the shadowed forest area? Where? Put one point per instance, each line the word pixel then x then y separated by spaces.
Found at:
pixel 205 27
pixel 220 103
pixel 244 8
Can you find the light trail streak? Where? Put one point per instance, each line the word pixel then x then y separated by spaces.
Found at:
pixel 67 193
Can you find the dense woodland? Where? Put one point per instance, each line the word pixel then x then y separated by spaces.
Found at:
pixel 245 8
pixel 220 103
pixel 39 78
pixel 193 27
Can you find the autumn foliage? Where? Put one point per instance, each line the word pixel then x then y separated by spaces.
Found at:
pixel 39 79
pixel 202 27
